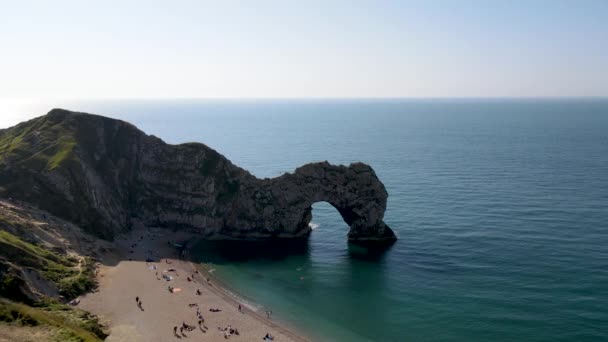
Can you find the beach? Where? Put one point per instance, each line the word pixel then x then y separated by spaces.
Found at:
pixel 502 226
pixel 127 273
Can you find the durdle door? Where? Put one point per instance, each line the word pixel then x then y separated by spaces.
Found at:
pixel 105 174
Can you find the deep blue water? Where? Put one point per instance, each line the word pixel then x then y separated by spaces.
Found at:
pixel 501 207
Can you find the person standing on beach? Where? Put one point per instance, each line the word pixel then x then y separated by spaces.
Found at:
pixel 137 300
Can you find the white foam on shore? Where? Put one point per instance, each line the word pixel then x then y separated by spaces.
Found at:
pixel 248 304
pixel 224 288
pixel 313 225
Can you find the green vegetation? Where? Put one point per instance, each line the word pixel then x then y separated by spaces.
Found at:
pixel 12 140
pixel 28 252
pixel 71 277
pixel 71 324
pixel 16 143
pixel 28 151
pixel 81 282
pixel 63 153
pixel 54 143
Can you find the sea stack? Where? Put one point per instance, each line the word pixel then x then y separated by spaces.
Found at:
pixel 106 175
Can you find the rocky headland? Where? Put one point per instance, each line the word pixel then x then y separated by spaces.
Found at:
pixel 105 175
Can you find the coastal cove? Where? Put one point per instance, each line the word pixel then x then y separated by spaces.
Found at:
pixel 145 264
pixel 501 232
pixel 304 171
pixel 499 207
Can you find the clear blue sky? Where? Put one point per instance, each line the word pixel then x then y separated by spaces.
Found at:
pixel 277 49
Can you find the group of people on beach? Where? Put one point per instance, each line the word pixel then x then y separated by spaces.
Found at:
pixel 228 331
pixel 199 315
pixel 185 327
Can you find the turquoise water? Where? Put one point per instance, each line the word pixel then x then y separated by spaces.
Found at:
pixel 501 207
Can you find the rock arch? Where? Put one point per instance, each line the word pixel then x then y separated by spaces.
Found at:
pixel 355 191
pixel 106 175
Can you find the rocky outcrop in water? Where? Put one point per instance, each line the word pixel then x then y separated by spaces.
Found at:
pixel 105 175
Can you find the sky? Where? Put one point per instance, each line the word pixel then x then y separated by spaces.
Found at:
pixel 302 49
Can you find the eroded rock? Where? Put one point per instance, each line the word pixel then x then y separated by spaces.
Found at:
pixel 104 174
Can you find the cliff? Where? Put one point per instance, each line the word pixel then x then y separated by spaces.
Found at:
pixel 43 264
pixel 105 174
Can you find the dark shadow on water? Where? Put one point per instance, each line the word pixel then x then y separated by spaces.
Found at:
pixel 368 252
pixel 230 251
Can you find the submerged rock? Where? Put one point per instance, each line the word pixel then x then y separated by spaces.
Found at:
pixel 105 175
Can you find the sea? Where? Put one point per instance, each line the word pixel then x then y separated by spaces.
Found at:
pixel 500 206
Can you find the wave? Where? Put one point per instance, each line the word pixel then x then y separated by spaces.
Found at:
pixel 313 225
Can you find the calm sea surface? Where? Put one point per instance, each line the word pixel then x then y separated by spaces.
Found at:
pixel 501 207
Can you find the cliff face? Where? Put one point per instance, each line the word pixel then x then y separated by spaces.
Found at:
pixel 104 174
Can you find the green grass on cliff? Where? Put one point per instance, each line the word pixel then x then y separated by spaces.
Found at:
pixel 80 282
pixel 62 152
pixel 67 324
pixel 46 156
pixel 71 277
pixel 29 252
pixel 35 145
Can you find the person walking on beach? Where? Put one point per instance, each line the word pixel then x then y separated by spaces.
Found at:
pixel 240 308
pixel 175 330
pixel 137 300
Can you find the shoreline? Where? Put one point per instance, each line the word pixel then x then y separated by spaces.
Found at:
pixel 136 269
pixel 222 289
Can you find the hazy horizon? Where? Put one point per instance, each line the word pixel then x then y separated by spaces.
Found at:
pixel 274 50
pixel 14 111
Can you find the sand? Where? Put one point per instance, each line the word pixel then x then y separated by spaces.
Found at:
pixel 124 275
